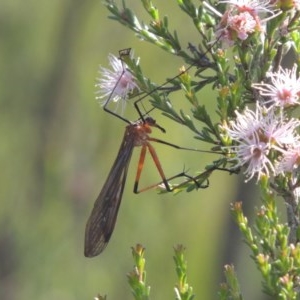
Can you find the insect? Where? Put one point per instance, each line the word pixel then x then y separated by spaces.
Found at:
pixel 102 220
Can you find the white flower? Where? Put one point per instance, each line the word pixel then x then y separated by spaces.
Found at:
pixel 245 124
pixel 280 132
pixel 284 89
pixel 253 154
pixel 116 84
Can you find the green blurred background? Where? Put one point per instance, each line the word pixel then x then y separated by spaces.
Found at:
pixel 57 147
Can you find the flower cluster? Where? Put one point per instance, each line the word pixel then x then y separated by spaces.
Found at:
pixel 260 137
pixel 267 140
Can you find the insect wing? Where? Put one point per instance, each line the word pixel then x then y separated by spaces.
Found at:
pixel 102 220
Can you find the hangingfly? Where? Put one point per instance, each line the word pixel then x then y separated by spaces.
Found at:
pixel 103 218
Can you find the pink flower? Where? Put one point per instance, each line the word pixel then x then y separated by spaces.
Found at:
pixel 283 90
pixel 242 18
pixel 243 24
pixel 233 27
